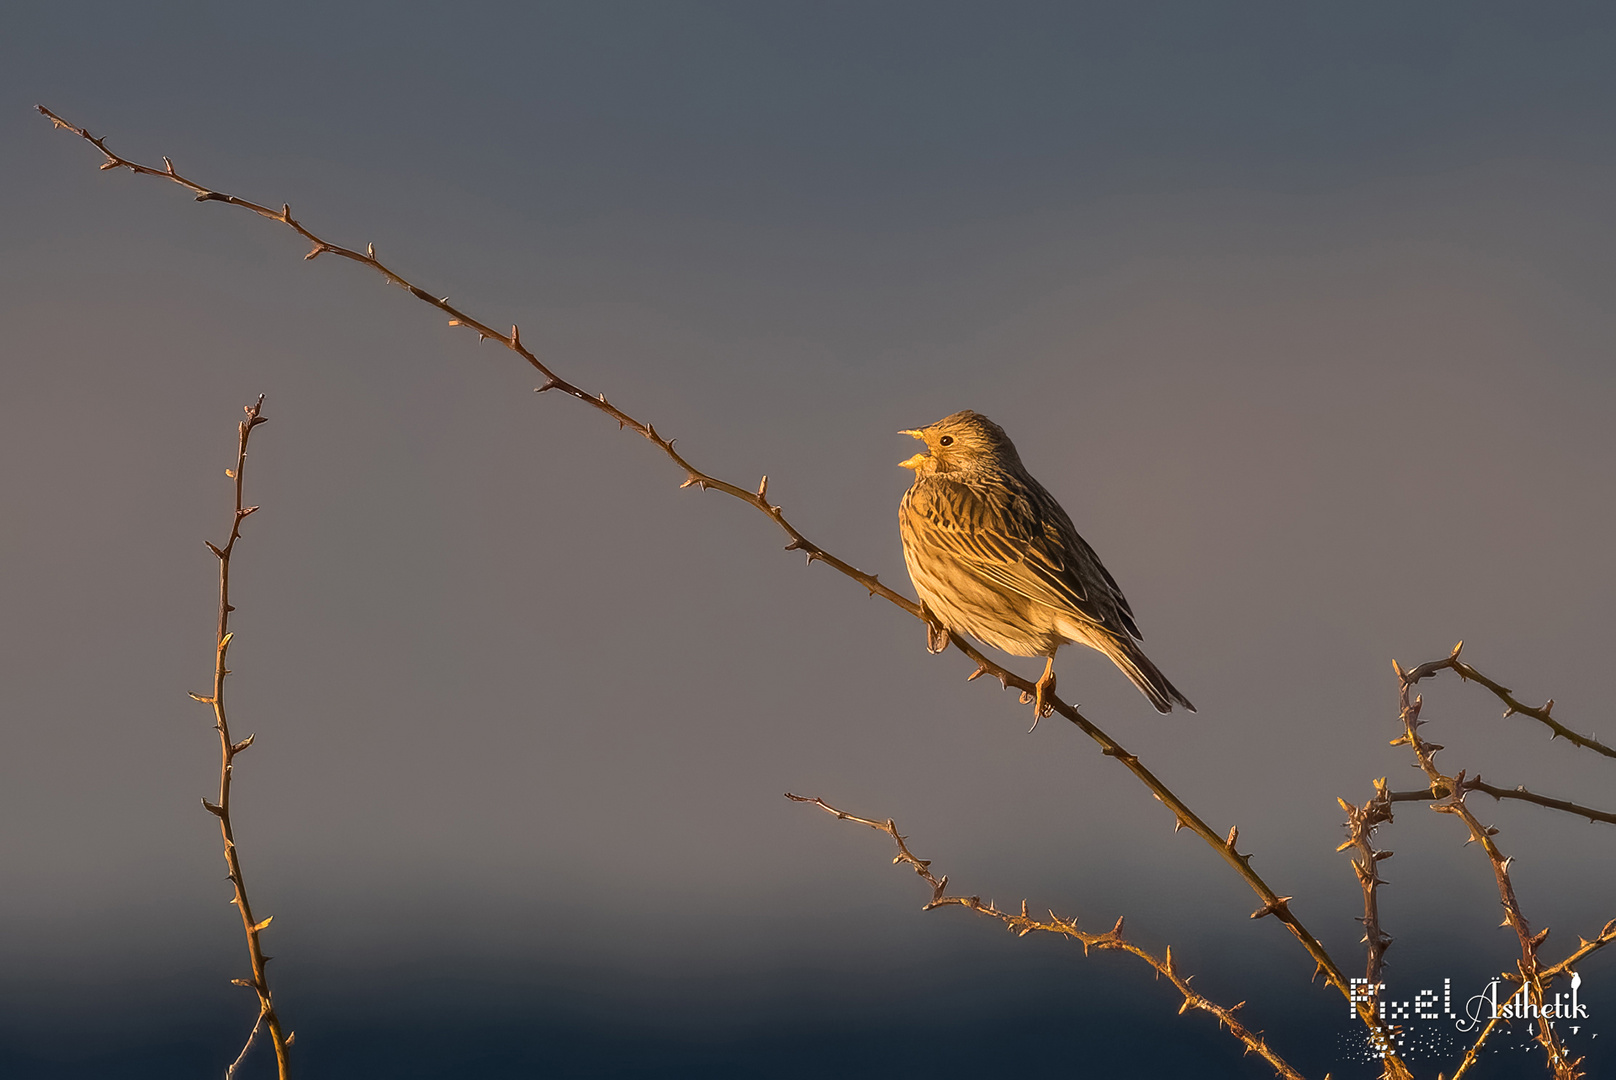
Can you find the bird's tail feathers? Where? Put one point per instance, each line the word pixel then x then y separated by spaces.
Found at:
pixel 1144 674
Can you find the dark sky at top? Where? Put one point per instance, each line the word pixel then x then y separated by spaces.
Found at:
pixel 1304 313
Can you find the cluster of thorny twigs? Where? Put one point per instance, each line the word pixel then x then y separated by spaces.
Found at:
pixel 1446 793
pixel 228 751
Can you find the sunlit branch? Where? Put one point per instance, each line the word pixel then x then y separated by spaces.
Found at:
pixel 228 750
pixel 1475 783
pixel 1023 923
pixel 1361 824
pixel 1511 705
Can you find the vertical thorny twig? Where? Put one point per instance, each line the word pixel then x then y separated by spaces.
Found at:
pixel 1361 824
pixel 227 755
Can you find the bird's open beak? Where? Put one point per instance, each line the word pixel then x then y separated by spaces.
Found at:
pixel 914 462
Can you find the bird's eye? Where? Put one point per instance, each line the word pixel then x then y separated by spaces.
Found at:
pixel 946 440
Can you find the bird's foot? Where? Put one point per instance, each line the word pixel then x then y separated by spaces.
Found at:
pixel 1042 701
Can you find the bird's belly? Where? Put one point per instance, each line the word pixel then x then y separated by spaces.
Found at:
pixel 1012 623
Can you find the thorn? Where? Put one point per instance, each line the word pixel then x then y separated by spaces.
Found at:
pixel 291 1037
pixel 244 511
pixel 286 212
pixel 214 810
pixel 199 697
pixel 224 642
pixel 1547 707
pixel 1178 823
pixel 242 745
pixel 316 250
pixel 1276 906
pixel 1456 648
pixel 168 165
pixel 213 549
pixel 981 670
pixel 263 924
pixel 249 984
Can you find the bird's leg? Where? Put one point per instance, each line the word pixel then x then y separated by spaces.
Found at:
pixel 1042 705
pixel 936 632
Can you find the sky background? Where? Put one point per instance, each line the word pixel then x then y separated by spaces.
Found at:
pixel 1303 312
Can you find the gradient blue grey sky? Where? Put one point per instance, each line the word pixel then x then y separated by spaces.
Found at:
pixel 1303 312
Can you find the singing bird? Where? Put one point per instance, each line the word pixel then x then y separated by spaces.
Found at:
pixel 993 555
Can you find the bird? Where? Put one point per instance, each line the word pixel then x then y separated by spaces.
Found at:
pixel 992 554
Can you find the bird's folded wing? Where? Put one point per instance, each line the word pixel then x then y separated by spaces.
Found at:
pixel 1001 538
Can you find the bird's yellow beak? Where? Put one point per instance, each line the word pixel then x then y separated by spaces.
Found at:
pixel 914 462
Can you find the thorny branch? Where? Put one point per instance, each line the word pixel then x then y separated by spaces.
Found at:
pixel 1023 923
pixel 1473 1054
pixel 1475 783
pixel 1361 824
pixel 1530 972
pixel 228 750
pixel 1272 903
pixel 1511 706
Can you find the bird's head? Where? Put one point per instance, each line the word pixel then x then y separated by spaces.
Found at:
pixel 965 442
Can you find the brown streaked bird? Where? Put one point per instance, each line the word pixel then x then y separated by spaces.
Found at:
pixel 993 555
